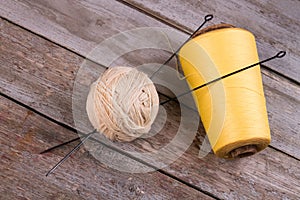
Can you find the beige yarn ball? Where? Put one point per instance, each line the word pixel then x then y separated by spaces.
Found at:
pixel 122 104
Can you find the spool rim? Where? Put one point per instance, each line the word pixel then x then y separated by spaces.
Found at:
pixel 212 28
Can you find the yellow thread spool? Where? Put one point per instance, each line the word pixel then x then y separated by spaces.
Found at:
pixel 237 122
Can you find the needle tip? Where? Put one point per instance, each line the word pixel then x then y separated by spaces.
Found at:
pixel 42 152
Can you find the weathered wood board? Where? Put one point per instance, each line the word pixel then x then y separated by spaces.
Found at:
pixel 77 24
pixel 275 24
pixel 24 78
pixel 24 134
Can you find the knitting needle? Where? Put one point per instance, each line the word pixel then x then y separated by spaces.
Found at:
pixel 206 19
pixel 278 55
pixel 65 143
pixel 84 138
pixel 62 144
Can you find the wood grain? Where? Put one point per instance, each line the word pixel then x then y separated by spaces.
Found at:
pixel 41 74
pixel 275 24
pixel 25 134
pixel 77 25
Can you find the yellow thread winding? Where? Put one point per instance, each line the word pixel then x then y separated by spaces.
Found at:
pixel 233 110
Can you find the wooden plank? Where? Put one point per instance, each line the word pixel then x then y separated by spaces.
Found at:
pixel 275 24
pixel 257 177
pixel 28 75
pixel 283 103
pixel 80 25
pixel 77 25
pixel 23 169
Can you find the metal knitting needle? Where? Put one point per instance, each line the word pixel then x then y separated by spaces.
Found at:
pixel 55 147
pixel 278 55
pixel 84 138
pixel 206 19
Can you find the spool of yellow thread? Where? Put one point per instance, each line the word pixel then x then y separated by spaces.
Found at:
pixel 235 116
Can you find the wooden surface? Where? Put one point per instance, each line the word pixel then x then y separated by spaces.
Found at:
pixel 25 134
pixel 41 47
pixel 274 23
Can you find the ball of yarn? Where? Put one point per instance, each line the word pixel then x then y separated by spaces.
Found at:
pixel 122 104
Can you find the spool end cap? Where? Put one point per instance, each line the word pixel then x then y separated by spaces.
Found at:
pixel 244 151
